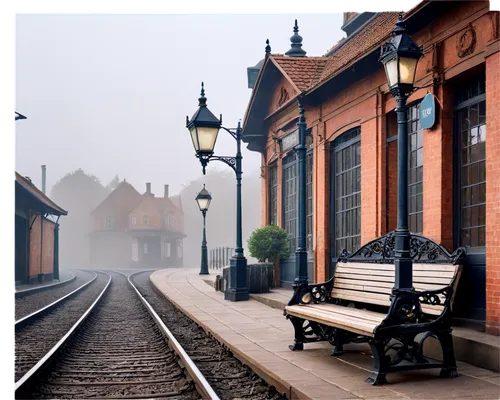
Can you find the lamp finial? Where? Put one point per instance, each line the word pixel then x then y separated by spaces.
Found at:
pixel 202 100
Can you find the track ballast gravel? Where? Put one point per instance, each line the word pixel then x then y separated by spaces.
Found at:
pixel 226 374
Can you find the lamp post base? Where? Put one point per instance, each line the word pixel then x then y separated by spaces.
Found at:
pixel 237 289
pixel 300 269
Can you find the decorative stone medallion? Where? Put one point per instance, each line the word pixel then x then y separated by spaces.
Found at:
pixel 466 42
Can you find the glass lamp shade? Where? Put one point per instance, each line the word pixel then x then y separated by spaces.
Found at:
pixel 391 70
pixel 204 138
pixel 203 203
pixel 407 69
pixel 203 199
pixel 401 71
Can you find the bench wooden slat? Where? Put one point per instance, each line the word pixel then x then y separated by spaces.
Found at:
pixel 363 327
pixel 387 284
pixel 381 287
pixel 391 273
pixel 355 312
pixel 379 299
pixel 375 289
pixel 390 267
pixel 416 279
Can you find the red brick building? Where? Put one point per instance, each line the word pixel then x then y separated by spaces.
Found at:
pixel 36 233
pixel 454 168
pixel 133 229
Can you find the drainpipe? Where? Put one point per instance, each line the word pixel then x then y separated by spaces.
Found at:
pixel 44 177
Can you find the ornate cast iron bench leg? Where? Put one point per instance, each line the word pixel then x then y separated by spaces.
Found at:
pixel 298 327
pixel 380 363
pixel 338 343
pixel 450 366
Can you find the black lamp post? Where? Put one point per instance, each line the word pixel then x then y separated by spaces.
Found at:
pixel 203 199
pixel 301 251
pixel 400 57
pixel 204 128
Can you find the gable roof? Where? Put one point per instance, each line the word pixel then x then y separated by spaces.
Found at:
pixel 30 188
pixel 307 74
pixel 162 204
pixel 302 72
pixel 121 199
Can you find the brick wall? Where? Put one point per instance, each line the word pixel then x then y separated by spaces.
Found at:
pixel 438 173
pixel 363 104
pixel 493 194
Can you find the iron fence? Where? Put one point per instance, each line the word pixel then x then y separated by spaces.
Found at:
pixel 219 257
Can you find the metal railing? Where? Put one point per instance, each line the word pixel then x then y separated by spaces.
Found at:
pixel 219 257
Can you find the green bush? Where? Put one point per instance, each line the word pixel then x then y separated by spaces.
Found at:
pixel 269 243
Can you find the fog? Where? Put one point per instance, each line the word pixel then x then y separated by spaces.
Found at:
pixel 109 94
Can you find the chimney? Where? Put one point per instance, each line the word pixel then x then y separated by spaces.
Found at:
pixel 148 187
pixel 166 192
pixel 44 177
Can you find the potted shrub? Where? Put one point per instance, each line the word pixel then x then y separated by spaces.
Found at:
pixel 269 243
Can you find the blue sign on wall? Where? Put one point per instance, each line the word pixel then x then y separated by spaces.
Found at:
pixel 427 111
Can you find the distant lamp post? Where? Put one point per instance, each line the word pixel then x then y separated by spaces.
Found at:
pixel 19 116
pixel 204 128
pixel 400 58
pixel 203 199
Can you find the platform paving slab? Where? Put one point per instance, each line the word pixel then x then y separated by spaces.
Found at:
pixel 259 336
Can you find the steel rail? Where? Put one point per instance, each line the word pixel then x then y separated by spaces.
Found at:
pixel 31 374
pixel 202 384
pixel 28 318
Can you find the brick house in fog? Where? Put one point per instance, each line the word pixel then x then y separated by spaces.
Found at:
pixel 133 229
pixel 36 234
pixel 454 189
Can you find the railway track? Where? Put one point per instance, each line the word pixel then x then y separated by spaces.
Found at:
pixel 37 333
pixel 29 302
pixel 120 350
pixel 226 374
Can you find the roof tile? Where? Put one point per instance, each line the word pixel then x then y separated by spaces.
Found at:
pixel 303 71
pixel 309 72
pixel 372 35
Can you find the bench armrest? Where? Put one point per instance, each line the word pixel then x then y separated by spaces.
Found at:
pixel 406 305
pixel 307 294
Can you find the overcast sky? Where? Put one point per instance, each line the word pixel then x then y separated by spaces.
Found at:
pixel 110 93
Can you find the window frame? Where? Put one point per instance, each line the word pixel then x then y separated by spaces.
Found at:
pixel 109 222
pixel 273 193
pixel 457 175
pixel 341 142
pixel 411 185
pixel 290 161
pixel 310 201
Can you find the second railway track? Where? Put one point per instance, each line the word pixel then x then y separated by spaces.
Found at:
pixel 119 351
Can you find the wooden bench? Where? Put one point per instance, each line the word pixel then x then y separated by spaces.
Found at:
pixel 358 304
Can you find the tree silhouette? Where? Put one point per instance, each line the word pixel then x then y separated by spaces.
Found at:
pixel 221 217
pixel 113 183
pixel 79 193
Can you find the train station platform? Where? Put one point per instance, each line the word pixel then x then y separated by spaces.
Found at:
pixel 64 276
pixel 259 336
